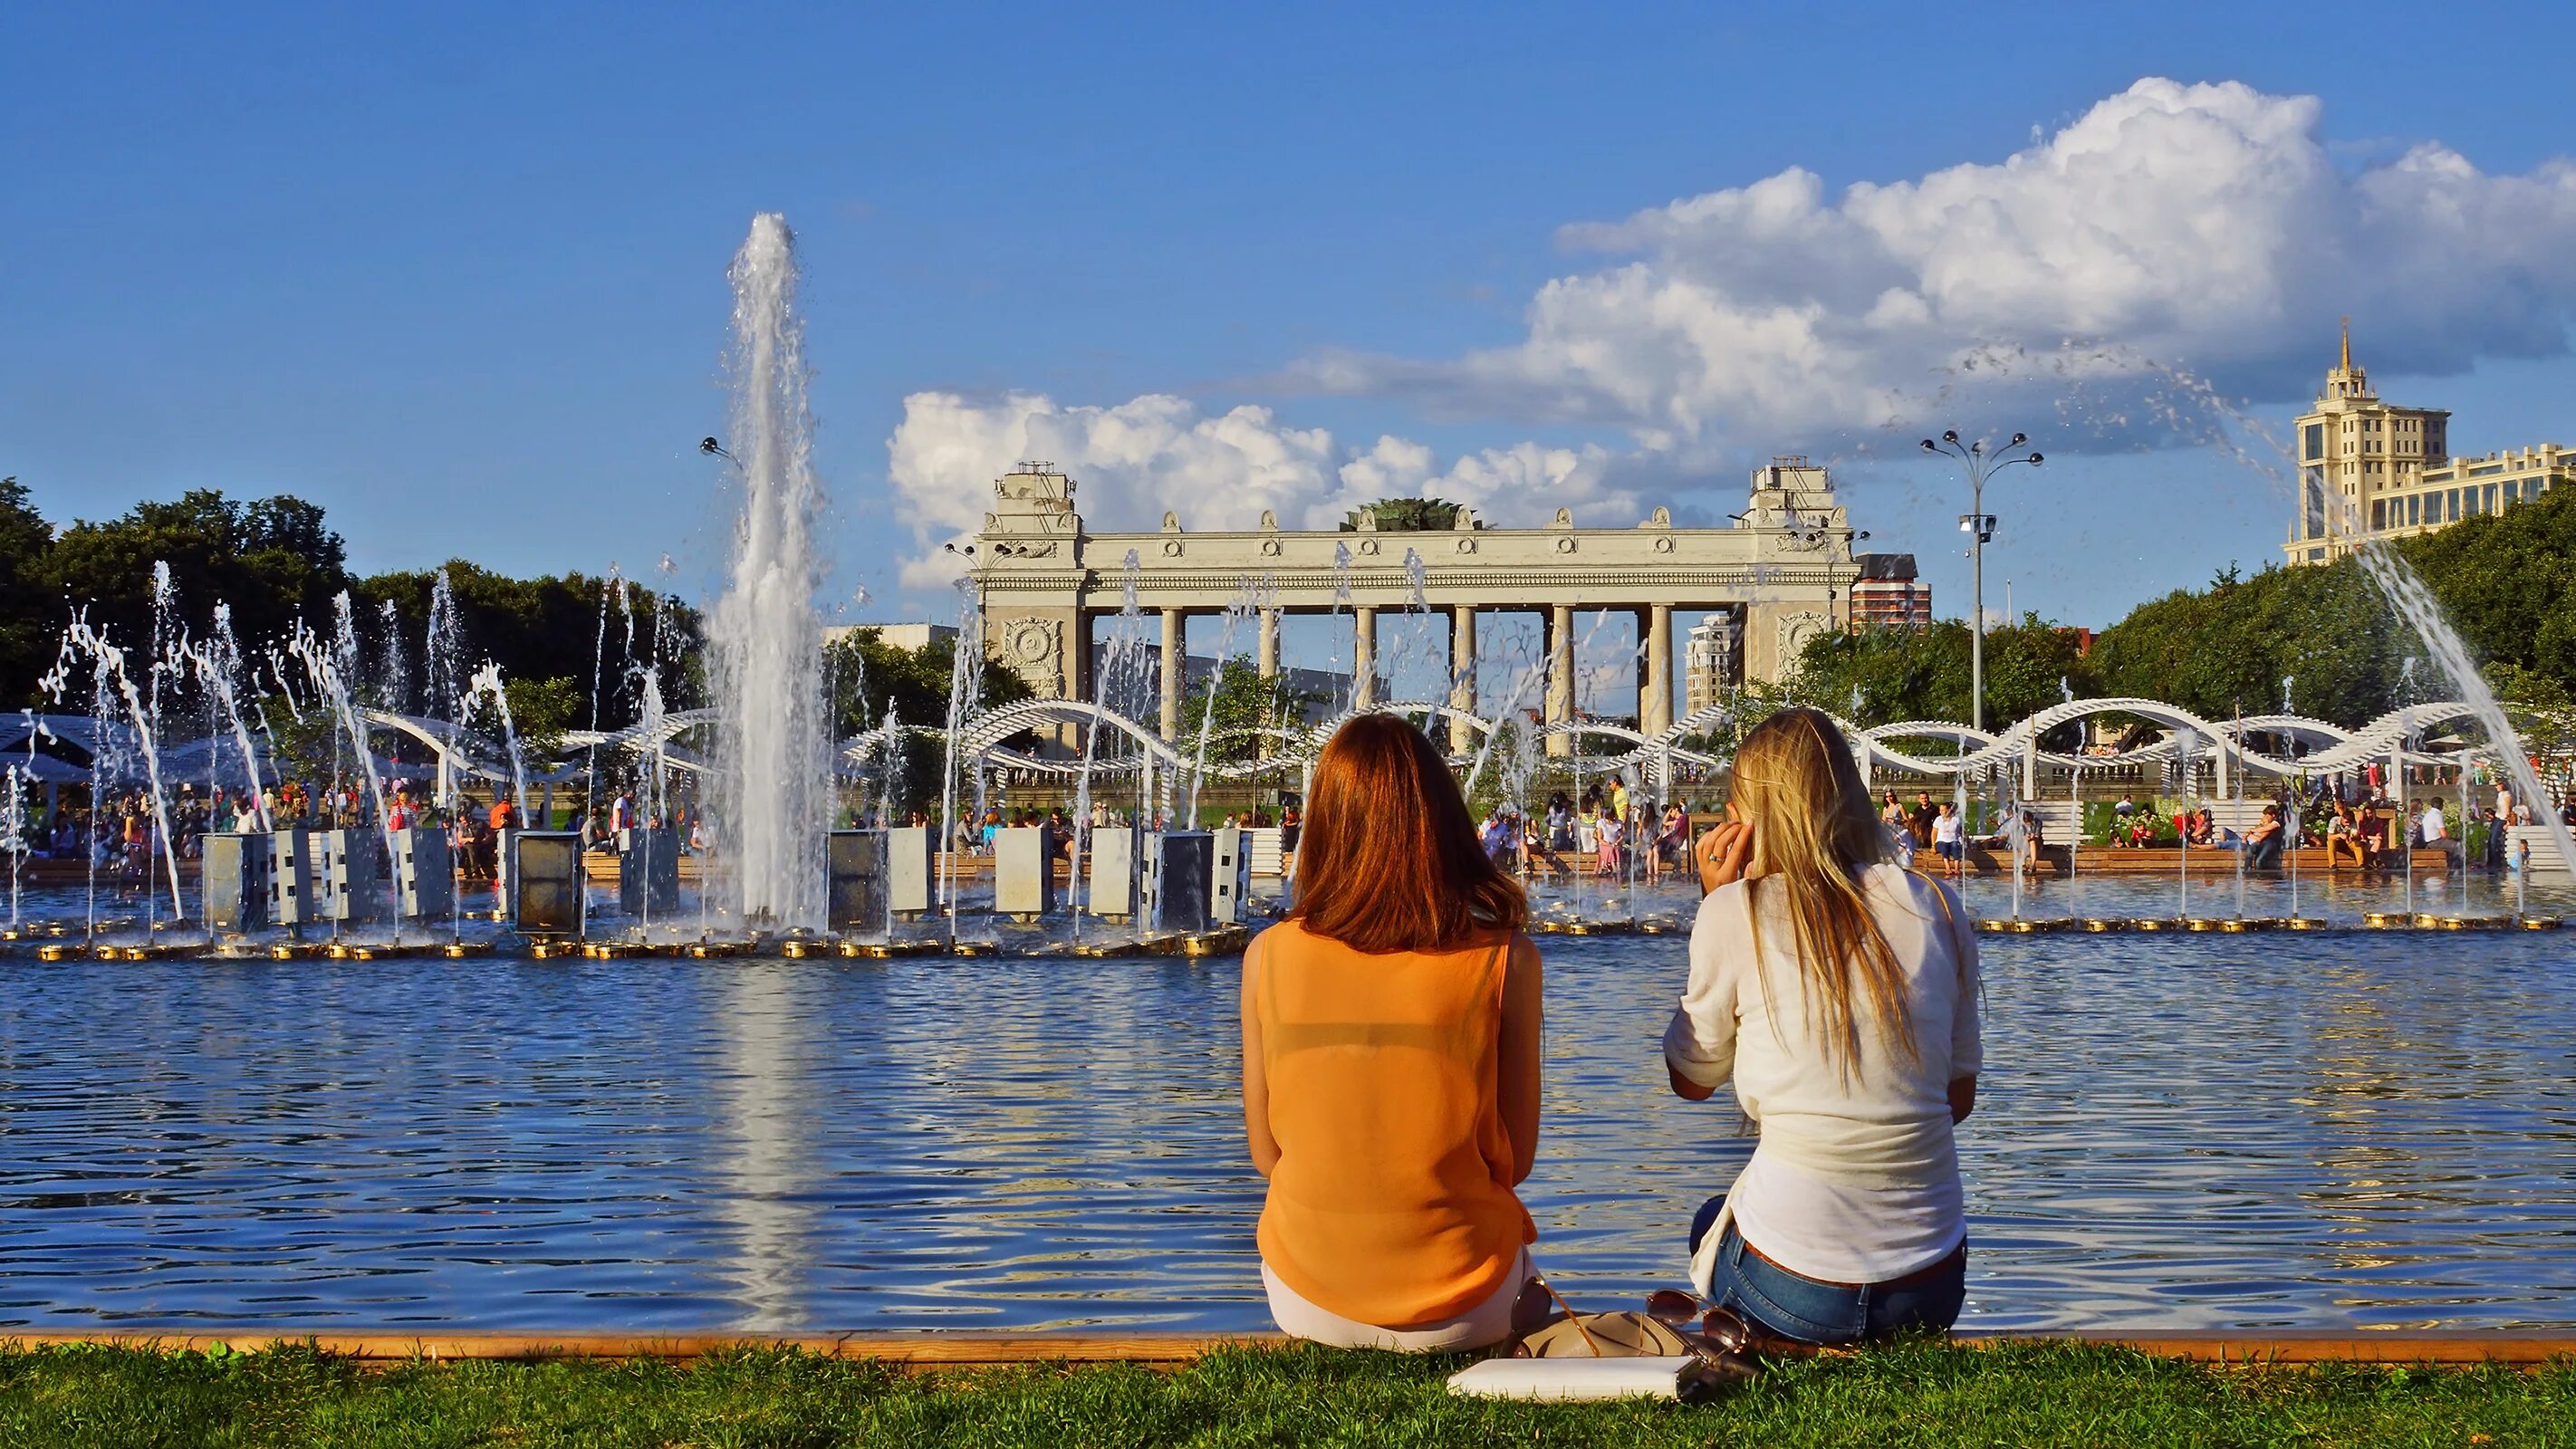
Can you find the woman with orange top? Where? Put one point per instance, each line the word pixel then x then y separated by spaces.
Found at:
pixel 1391 1063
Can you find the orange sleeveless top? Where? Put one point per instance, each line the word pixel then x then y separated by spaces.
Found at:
pixel 1392 1200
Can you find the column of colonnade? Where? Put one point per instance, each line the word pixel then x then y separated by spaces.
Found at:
pixel 1363 657
pixel 1268 655
pixel 1655 682
pixel 1655 696
pixel 1462 677
pixel 1560 675
pixel 1172 665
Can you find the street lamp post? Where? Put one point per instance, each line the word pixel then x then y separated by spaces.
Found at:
pixel 1979 525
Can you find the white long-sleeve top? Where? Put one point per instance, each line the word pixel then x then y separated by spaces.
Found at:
pixel 1856 1180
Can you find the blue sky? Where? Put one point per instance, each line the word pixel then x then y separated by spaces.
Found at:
pixel 460 277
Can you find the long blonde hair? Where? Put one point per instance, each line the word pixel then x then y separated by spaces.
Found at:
pixel 1814 833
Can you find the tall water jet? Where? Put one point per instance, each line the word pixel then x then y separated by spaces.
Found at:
pixel 611 590
pixel 442 658
pixel 112 683
pixel 218 665
pixel 773 752
pixel 486 684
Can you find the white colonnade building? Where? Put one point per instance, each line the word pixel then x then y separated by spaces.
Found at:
pixel 1783 573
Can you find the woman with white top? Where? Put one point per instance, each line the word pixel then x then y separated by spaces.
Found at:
pixel 1839 994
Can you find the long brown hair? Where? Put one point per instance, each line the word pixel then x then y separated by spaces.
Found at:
pixel 1388 859
pixel 1796 782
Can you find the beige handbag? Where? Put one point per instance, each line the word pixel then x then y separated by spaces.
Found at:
pixel 1604 1335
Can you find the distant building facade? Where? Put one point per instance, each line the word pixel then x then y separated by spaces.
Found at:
pixel 1712 661
pixel 913 637
pixel 1889 594
pixel 1325 690
pixel 2371 469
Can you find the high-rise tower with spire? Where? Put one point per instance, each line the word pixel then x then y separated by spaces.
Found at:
pixel 2355 450
pixel 2370 469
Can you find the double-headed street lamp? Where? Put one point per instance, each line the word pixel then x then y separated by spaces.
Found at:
pixel 1979 525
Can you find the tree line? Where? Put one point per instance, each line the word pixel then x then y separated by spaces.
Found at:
pixel 2322 636
pixel 276 563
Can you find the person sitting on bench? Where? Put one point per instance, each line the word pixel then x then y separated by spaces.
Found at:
pixel 2263 846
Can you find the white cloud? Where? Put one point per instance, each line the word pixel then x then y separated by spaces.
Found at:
pixel 1132 462
pixel 2207 226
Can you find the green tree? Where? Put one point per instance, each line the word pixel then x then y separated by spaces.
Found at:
pixel 2508 582
pixel 306 747
pixel 2324 631
pixel 543 629
pixel 273 560
pixel 1404 515
pixel 1244 704
pixel 870 676
pixel 1878 675
pixel 2544 709
pixel 1901 674
pixel 542 709
pixel 30 610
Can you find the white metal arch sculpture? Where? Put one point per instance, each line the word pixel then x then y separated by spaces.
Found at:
pixel 2400 736
pixel 986 731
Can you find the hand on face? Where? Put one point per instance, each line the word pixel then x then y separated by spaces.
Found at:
pixel 1724 853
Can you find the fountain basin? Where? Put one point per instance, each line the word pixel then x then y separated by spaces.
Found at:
pixel 786 1143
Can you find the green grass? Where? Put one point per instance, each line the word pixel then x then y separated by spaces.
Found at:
pixel 1922 1394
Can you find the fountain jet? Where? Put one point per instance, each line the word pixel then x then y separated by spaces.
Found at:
pixel 773 781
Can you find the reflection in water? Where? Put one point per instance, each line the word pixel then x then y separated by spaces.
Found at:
pixel 2239 1131
pixel 765 1063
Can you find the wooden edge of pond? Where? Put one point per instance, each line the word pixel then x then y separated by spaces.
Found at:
pixel 923 1351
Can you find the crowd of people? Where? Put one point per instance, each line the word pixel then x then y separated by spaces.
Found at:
pixel 1069 832
pixel 121 839
pixel 2358 821
pixel 1610 831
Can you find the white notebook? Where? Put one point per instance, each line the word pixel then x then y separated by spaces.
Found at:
pixel 1571 1379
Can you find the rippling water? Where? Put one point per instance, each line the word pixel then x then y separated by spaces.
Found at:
pixel 2206 1131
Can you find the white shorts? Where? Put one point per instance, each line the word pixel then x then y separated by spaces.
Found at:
pixel 1488 1322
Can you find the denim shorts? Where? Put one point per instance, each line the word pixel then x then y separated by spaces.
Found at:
pixel 1799 1308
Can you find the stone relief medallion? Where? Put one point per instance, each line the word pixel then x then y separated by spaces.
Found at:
pixel 1031 641
pixel 1270 548
pixel 1466 545
pixel 1368 545
pixel 1564 545
pixel 1663 545
pixel 1796 630
pixel 1172 548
